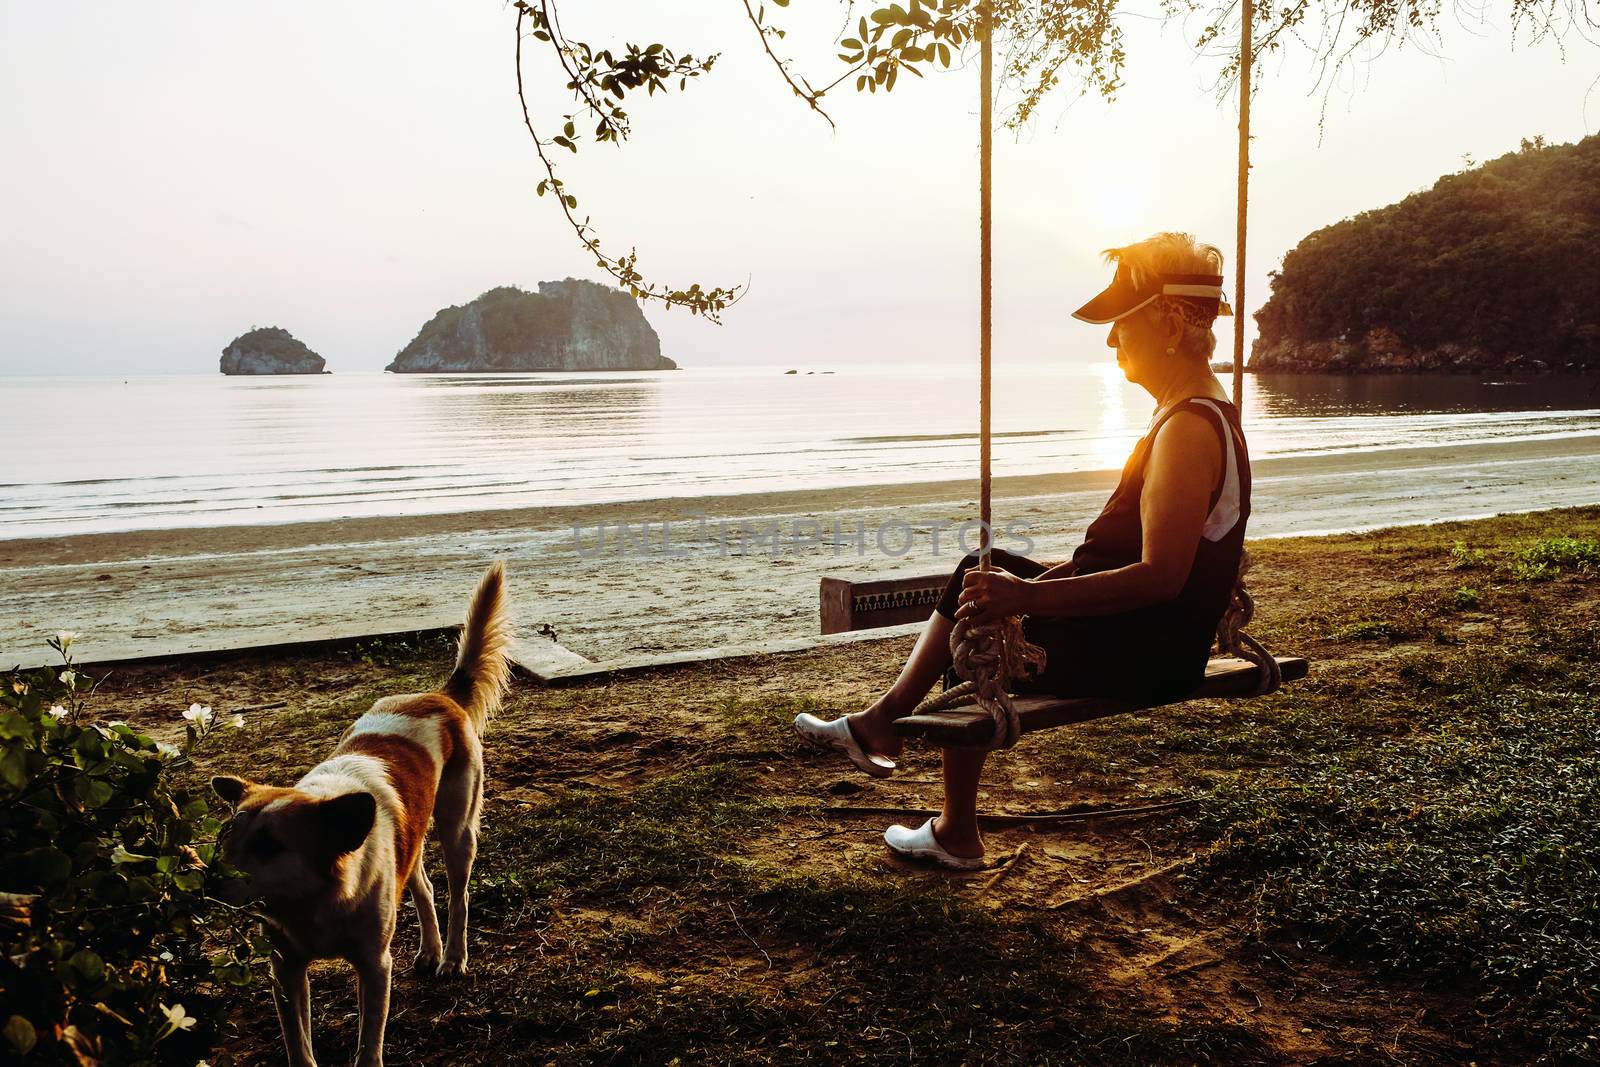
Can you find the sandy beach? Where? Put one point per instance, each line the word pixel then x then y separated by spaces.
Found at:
pixel 163 592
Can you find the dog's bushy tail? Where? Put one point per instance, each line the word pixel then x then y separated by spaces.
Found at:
pixel 483 664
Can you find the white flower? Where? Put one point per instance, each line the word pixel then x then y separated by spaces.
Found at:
pixel 199 714
pixel 64 638
pixel 237 722
pixel 120 855
pixel 166 751
pixel 177 1018
pixel 59 712
pixel 69 678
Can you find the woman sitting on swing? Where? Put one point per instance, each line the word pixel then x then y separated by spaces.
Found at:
pixel 1133 615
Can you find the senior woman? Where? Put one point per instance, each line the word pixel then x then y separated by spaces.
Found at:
pixel 1134 613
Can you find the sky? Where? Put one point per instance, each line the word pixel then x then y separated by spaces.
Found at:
pixel 177 173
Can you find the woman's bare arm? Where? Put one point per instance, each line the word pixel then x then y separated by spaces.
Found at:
pixel 1185 464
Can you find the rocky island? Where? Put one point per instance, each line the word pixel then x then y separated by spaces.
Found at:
pixel 270 350
pixel 566 325
pixel 1491 271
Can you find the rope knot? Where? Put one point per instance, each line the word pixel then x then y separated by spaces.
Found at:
pixel 991 659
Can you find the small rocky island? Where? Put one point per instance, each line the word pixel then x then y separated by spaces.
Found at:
pixel 1490 272
pixel 566 325
pixel 270 350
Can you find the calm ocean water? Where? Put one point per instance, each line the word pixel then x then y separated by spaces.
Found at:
pixel 106 454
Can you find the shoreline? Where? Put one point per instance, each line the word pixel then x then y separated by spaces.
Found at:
pixel 148 593
pixel 169 541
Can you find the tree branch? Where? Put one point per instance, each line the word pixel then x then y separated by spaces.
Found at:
pixel 804 94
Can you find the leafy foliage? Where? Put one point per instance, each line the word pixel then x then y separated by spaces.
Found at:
pixel 1456 842
pixel 273 340
pixel 1041 43
pixel 507 328
pixel 1491 267
pixel 112 951
pixel 600 81
pixel 1550 556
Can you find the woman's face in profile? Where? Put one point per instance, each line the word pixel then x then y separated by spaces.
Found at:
pixel 1138 343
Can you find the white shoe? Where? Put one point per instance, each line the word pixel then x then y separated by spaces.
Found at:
pixel 836 734
pixel 920 844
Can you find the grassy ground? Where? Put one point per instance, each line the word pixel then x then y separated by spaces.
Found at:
pixel 1394 860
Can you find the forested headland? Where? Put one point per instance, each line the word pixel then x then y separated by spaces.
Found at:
pixel 1493 270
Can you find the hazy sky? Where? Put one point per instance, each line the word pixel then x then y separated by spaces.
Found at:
pixel 175 173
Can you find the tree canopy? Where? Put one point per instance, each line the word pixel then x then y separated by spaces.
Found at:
pixel 1041 45
pixel 1491 269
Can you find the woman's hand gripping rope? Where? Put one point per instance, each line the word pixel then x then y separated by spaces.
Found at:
pixel 990 651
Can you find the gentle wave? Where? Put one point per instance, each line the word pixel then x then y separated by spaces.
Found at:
pixel 160 452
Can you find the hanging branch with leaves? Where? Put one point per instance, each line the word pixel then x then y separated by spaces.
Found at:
pixel 600 81
pixel 1043 42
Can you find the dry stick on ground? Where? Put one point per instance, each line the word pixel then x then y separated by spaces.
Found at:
pixel 747 936
pixel 1021 820
pixel 1009 866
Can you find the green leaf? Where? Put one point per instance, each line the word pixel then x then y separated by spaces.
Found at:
pixel 88 964
pixel 14 725
pixel 92 792
pixel 14 766
pixel 20 1033
pixel 46 866
pixel 107 887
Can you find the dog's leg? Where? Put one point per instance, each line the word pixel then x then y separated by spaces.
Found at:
pixel 429 950
pixel 292 997
pixel 373 977
pixel 460 844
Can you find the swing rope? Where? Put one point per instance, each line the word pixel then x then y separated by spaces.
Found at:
pixel 994 657
pixel 1231 638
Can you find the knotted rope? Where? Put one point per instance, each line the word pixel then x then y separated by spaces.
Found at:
pixel 1233 641
pixel 992 658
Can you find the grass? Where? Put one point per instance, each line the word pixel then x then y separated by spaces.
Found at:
pixel 1393 859
pixel 675 894
pixel 1464 846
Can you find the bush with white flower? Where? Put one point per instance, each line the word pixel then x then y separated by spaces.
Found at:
pixel 111 949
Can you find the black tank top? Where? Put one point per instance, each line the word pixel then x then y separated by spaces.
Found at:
pixel 1185 627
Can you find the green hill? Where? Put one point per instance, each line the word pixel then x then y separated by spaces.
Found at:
pixel 1493 270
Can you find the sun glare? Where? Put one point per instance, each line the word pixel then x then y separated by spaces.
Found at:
pixel 1120 206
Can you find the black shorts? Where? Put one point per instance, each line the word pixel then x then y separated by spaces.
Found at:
pixel 1143 655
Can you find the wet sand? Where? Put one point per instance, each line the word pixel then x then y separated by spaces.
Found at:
pixel 164 592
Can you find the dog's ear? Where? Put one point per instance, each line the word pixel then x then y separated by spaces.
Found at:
pixel 347 820
pixel 230 788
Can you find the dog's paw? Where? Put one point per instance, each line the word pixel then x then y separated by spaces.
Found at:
pixel 453 968
pixel 427 964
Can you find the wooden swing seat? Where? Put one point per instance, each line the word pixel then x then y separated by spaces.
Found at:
pixel 968 724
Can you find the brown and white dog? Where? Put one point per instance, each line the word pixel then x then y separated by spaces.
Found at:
pixel 329 858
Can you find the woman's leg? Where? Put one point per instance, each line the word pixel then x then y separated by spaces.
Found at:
pixel 929 659
pixel 957 827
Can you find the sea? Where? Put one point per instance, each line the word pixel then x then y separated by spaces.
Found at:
pixel 103 454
